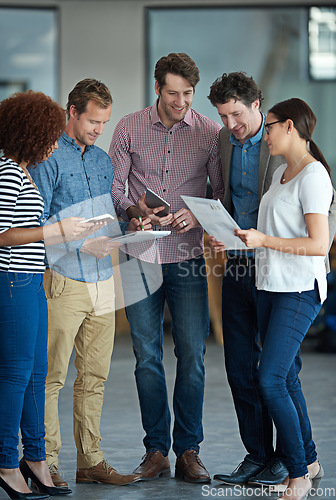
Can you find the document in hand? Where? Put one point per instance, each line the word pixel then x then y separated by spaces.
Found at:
pixel 139 236
pixel 215 220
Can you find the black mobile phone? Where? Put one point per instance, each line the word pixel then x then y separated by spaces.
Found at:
pixel 153 200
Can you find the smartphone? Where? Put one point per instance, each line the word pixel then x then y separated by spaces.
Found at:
pixel 107 218
pixel 153 200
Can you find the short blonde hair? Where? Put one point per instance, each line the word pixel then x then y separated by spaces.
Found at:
pixel 88 90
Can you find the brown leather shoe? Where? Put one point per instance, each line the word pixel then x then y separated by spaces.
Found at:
pixel 104 473
pixel 189 467
pixel 153 465
pixel 57 476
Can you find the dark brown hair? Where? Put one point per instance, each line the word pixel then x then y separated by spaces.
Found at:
pixel 30 123
pixel 304 120
pixel 88 90
pixel 236 86
pixel 177 64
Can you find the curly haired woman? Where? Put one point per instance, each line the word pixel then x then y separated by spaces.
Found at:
pixel 30 124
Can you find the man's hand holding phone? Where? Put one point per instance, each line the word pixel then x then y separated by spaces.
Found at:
pixel 141 209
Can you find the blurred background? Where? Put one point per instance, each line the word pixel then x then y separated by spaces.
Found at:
pixel 289 48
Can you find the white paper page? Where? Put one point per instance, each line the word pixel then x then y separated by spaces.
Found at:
pixel 216 221
pixel 139 236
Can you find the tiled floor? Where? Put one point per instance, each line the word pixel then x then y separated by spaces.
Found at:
pixel 221 450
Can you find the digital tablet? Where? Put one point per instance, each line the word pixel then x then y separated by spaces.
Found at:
pixel 100 218
pixel 139 236
pixel 153 200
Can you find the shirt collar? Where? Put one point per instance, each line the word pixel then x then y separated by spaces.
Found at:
pixel 73 143
pixel 155 118
pixel 253 140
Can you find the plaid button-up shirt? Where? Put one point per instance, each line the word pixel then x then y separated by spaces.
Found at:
pixel 172 162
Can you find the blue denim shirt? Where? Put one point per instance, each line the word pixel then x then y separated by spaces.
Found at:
pixel 244 175
pixel 73 184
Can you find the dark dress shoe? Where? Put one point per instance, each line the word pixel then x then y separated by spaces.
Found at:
pixel 104 473
pixel 153 465
pixel 49 490
pixel 241 474
pixel 17 495
pixel 190 468
pixel 57 476
pixel 274 473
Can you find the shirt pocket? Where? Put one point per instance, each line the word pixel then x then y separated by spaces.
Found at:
pixel 74 188
pixel 104 183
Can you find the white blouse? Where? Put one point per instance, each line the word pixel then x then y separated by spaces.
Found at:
pixel 282 213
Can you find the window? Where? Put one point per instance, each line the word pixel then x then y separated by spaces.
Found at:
pixel 322 43
pixel 28 50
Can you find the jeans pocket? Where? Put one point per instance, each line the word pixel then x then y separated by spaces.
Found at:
pixel 54 284
pixel 18 280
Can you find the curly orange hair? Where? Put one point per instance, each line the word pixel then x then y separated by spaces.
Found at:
pixel 30 123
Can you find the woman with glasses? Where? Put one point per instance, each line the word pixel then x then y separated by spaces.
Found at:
pixel 292 241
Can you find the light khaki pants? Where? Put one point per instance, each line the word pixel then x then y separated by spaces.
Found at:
pixel 81 315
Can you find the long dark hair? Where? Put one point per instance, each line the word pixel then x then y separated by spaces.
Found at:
pixel 304 121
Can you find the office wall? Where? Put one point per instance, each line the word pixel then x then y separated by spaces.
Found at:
pixel 105 39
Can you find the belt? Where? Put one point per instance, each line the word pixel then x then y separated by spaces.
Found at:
pixel 240 260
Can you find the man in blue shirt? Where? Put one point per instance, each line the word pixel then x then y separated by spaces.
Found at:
pixel 77 180
pixel 247 174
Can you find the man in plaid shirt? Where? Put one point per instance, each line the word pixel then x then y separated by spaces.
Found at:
pixel 171 149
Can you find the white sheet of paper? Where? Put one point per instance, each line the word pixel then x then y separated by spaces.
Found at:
pixel 216 220
pixel 139 236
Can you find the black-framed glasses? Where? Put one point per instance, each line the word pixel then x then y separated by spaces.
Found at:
pixel 267 125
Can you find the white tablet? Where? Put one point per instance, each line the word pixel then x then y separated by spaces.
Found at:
pixel 107 218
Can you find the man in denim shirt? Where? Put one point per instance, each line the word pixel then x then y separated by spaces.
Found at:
pixel 77 181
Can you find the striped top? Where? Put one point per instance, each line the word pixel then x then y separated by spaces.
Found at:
pixel 21 205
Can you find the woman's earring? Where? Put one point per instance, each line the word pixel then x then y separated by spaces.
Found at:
pixel 288 132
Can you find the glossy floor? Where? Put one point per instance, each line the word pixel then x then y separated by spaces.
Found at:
pixel 221 450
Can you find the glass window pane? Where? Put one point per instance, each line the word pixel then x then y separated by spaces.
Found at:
pixel 28 50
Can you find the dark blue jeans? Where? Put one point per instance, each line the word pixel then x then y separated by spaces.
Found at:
pixel 23 366
pixel 185 289
pixel 242 354
pixel 284 319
